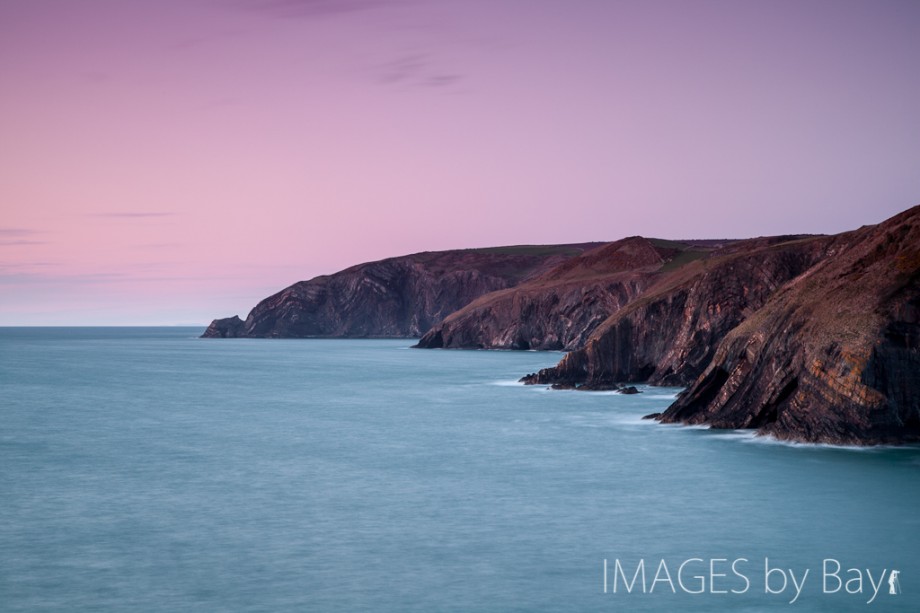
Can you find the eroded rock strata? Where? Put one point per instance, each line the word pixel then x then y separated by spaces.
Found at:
pixel 558 309
pixel 396 297
pixel 814 340
pixel 669 335
pixel 807 338
pixel 833 357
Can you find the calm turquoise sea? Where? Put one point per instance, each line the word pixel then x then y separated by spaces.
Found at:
pixel 147 470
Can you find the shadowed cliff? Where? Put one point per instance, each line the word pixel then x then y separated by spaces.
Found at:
pixel 816 339
pixel 808 338
pixel 396 297
pixel 560 308
pixel 669 334
pixel 834 356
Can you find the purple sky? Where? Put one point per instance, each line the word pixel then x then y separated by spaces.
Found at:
pixel 168 162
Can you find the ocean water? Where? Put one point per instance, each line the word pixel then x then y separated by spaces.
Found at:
pixel 148 470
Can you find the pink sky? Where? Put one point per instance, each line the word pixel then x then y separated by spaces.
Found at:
pixel 169 162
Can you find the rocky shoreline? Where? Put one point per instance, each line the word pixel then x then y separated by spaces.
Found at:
pixel 805 338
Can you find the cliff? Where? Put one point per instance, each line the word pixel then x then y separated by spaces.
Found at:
pixel 396 297
pixel 560 308
pixel 807 338
pixel 669 335
pixel 815 339
pixel 833 357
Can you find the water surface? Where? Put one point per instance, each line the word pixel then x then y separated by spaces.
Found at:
pixel 148 470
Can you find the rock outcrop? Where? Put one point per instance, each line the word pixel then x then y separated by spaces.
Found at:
pixel 669 335
pixel 832 357
pixel 396 297
pixel 561 308
pixel 815 339
pixel 806 338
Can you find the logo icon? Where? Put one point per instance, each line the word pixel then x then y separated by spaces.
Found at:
pixel 894 584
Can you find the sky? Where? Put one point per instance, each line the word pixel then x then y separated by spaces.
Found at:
pixel 170 162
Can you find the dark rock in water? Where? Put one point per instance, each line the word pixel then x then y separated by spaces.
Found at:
pixel 396 297
pixel 538 379
pixel 652 416
pixel 629 390
pixel 598 386
pixel 562 386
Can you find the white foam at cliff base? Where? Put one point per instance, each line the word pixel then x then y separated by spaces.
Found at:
pixel 753 437
pixel 765 439
pixel 506 383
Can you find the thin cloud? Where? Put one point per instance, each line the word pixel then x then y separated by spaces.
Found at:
pixel 415 70
pixel 403 69
pixel 4 267
pixel 133 215
pixel 45 274
pixel 32 279
pixel 300 9
pixel 158 245
pixel 12 237
pixel 20 241
pixel 78 280
pixel 442 80
pixel 17 232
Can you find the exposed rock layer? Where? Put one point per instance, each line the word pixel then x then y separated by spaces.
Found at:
pixel 668 336
pixel 556 310
pixel 396 297
pixel 809 338
pixel 812 340
pixel 833 357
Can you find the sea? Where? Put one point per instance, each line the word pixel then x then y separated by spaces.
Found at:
pixel 145 469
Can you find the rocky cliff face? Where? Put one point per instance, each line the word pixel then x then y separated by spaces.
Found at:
pixel 809 338
pixel 397 297
pixel 834 356
pixel 816 339
pixel 556 310
pixel 669 335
